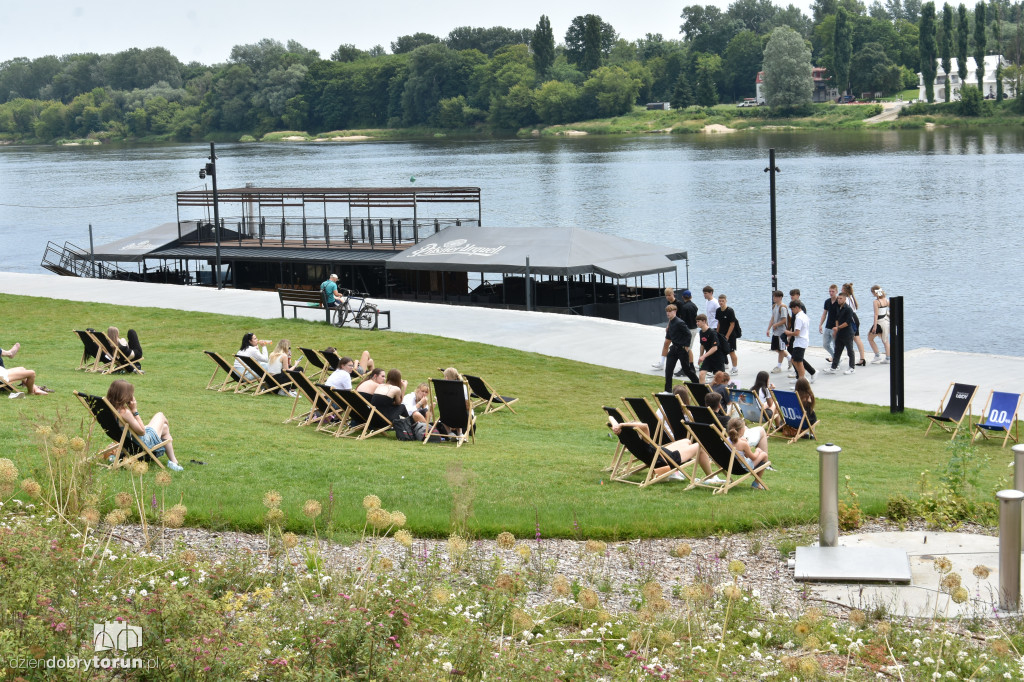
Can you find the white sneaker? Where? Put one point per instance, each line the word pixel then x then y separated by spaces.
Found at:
pixel 714 480
pixel 812 377
pixel 734 370
pixel 776 369
pixel 850 371
pixel 877 359
pixel 676 476
pixel 658 365
pixel 16 394
pixel 175 467
pixel 886 361
pixel 829 370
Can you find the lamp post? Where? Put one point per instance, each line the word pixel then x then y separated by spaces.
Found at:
pixel 773 169
pixel 210 170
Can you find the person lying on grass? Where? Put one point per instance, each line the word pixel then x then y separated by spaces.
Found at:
pixel 682 450
pixel 27 377
pixel 121 395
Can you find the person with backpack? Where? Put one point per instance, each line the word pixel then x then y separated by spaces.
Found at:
pixel 728 329
pixel 714 350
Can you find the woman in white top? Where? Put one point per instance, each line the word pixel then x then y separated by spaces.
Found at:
pixel 851 301
pixel 253 348
pixel 280 359
pixel 880 324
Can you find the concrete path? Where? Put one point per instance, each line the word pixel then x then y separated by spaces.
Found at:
pixel 890 112
pixel 596 341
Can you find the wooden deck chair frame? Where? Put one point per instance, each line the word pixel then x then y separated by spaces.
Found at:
pixel 90 350
pixel 231 376
pixel 1006 419
pixel 119 360
pixel 697 392
pixel 448 401
pixel 620 449
pixel 264 382
pixel 359 420
pixel 126 448
pixel 729 462
pixel 334 417
pixel 791 418
pixel 673 412
pixel 481 393
pixel 641 410
pixel 304 388
pixel 747 397
pixel 318 362
pixel 332 360
pixel 6 387
pixel 704 415
pixel 632 441
pixel 950 423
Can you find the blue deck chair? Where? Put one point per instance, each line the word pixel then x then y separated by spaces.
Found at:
pixel 793 414
pixel 1000 416
pixel 746 404
pixel 951 417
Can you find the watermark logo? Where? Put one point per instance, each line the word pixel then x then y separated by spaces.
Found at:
pixel 116 636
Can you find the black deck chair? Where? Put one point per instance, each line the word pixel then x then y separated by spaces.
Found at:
pixel 697 392
pixel 614 413
pixel 231 375
pixel 951 417
pixel 317 362
pixel 724 455
pixel 126 447
pixel 119 360
pixel 304 388
pixel 704 415
pixel 90 350
pixel 482 394
pixel 10 390
pixel 673 412
pixel 641 409
pixel 265 381
pixel 649 456
pixel 355 416
pixel 451 409
pixel 331 359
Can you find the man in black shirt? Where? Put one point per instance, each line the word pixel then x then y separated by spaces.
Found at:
pixel 688 313
pixel 713 349
pixel 828 319
pixel 679 335
pixel 842 332
pixel 728 329
pixel 670 299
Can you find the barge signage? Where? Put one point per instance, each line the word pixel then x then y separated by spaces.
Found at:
pixel 455 247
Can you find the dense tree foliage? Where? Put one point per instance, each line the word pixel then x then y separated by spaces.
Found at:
pixel 543 46
pixel 787 70
pixel 946 46
pixel 979 44
pixel 927 42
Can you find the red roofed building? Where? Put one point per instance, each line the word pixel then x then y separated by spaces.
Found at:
pixel 823 90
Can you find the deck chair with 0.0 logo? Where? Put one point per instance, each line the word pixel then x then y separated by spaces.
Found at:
pixel 794 416
pixel 1000 416
pixel 730 462
pixel 126 448
pixel 957 401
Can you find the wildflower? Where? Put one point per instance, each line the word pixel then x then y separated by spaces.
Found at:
pixel 560 585
pixel 1000 647
pixel 737 567
pixel 587 598
pixel 43 430
pixel 31 487
pixel 522 620
pixel 813 614
pixel 188 557
pixel 506 540
pixel 271 499
pixel 385 564
pixel 77 444
pixel 312 509
pixel 681 550
pixel 595 547
pixel 659 605
pixel 523 551
pixel 90 515
pixel 808 666
pixel 8 471
pixel 633 639
pixel 652 590
pixel 397 519
pixel 857 617
pixel 441 595
pixel 943 565
pixel 504 582
pixel 960 595
pixel 124 500
pixel 173 518
pixel 378 518
pixel 457 546
pixel 693 593
pixel 180 509
pixel 163 478
pixel 403 537
pixel 140 468
pixel 950 583
pixel 447 667
pixel 812 643
pixel 801 629
pixel 116 517
pixel 883 629
pixel 371 502
pixel 274 517
pixel 289 540
pixel 732 592
pixel 60 441
pixel 981 572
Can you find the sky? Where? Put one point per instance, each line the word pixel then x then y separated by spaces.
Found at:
pixel 206 31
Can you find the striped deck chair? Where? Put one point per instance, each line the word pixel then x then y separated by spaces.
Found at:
pixel 724 455
pixel 648 456
pixel 126 447
pixel 793 415
pixel 1000 416
pixel 90 350
pixel 951 417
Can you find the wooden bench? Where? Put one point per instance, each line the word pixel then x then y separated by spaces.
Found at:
pixel 307 299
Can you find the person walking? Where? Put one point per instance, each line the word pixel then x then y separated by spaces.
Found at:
pixel 851 301
pixel 801 337
pixel 880 324
pixel 828 320
pixel 794 296
pixel 670 299
pixel 688 314
pixel 842 333
pixel 711 307
pixel 712 357
pixel 777 325
pixel 678 336
pixel 729 330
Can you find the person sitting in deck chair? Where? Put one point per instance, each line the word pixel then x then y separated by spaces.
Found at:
pixel 417 403
pixel 279 361
pixel 713 401
pixel 255 349
pixel 27 377
pixel 751 443
pixel 131 347
pixel 370 384
pixel 683 449
pixel 121 396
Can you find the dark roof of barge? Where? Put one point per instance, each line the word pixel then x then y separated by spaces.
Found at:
pixel 276 253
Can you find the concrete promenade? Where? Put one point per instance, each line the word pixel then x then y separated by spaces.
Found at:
pixel 586 339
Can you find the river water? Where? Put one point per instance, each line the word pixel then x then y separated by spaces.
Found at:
pixel 931 215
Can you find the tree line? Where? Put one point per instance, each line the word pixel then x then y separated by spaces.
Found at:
pixel 495 77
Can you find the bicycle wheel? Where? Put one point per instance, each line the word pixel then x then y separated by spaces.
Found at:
pixel 366 316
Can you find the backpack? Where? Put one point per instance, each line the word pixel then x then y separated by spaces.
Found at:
pixel 404 429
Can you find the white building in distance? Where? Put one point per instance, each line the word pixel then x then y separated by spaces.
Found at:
pixel 988 91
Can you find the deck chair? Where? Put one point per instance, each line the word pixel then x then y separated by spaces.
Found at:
pixel 746 404
pixel 614 413
pixel 704 415
pixel 126 447
pixel 673 413
pixel 119 360
pixel 231 375
pixel 793 415
pixel 641 409
pixel 951 417
pixel 697 392
pixel 730 463
pixel 481 393
pixel 450 409
pixel 90 350
pixel 317 362
pixel 265 381
pixel 639 445
pixel 10 390
pixel 355 416
pixel 1000 416
pixel 304 388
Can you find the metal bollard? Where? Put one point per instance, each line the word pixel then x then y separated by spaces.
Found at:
pixel 1009 548
pixel 1018 475
pixel 828 495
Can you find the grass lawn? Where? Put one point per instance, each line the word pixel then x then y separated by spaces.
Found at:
pixel 542 465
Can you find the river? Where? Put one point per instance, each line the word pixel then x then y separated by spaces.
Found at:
pixel 928 214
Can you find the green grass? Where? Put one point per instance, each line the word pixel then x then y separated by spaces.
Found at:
pixel 540 465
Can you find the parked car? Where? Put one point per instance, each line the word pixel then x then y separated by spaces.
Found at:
pixel 748 102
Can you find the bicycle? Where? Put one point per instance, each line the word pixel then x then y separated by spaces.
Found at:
pixel 358 310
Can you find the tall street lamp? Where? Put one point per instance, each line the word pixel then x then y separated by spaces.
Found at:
pixel 210 170
pixel 773 169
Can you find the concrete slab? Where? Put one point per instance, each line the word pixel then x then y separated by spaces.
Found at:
pixel 586 339
pixel 852 564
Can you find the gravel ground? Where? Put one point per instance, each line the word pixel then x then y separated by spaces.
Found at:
pixel 617 572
